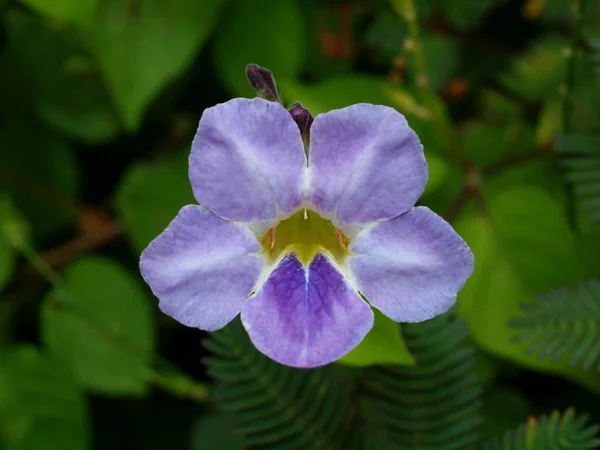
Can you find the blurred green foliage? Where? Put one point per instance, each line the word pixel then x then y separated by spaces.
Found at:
pixel 99 101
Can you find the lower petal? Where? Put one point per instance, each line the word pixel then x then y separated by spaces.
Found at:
pixel 412 267
pixel 202 268
pixel 306 317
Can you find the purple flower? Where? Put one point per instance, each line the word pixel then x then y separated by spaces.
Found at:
pixel 298 244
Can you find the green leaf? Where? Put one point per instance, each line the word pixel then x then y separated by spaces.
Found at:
pixel 540 172
pixel 585 111
pixel 7 257
pixel 13 228
pixel 345 91
pixel 423 8
pixel 438 172
pixel 466 13
pixel 499 109
pixel 441 59
pixel 432 123
pixel 483 144
pixel 522 245
pixel 432 405
pixel 594 43
pixel 215 432
pixel 382 345
pixel 550 123
pixel 386 34
pixel 557 431
pixel 41 405
pixel 553 11
pixel 39 173
pixel 143 45
pixel 55 74
pixel 348 90
pixel 487 368
pixel 272 405
pixel 338 93
pixel 77 12
pixel 7 251
pixel 100 324
pixel 150 196
pixel 263 32
pixel 503 408
pixel 539 72
pixel 322 58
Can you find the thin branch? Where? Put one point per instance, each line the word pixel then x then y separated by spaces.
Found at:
pixel 457 205
pixel 470 190
pixel 45 193
pixel 91 240
pixel 96 238
pixel 414 46
pixel 512 161
pixel 571 56
pixel 567 90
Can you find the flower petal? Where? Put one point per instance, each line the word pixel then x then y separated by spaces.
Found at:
pixel 306 317
pixel 248 162
pixel 202 268
pixel 411 267
pixel 365 164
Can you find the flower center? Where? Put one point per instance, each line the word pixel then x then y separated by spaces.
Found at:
pixel 305 234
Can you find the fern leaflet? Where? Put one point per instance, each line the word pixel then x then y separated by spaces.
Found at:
pixel 563 322
pixel 274 406
pixel 433 405
pixel 581 159
pixel 594 44
pixel 553 432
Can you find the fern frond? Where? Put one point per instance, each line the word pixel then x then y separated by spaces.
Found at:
pixel 594 44
pixel 434 404
pixel 563 322
pixel 554 432
pixel 274 406
pixel 581 159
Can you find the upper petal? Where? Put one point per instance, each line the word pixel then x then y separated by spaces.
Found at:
pixel 411 267
pixel 248 161
pixel 306 317
pixel 202 268
pixel 365 164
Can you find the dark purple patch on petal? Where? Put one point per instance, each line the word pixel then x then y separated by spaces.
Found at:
pixel 306 317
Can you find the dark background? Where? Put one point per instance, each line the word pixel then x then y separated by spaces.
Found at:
pixel 99 101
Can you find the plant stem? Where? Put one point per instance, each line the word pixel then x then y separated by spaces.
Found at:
pixel 571 56
pixel 172 379
pixel 512 161
pixel 406 8
pixel 567 91
pixel 457 205
pixel 413 45
pixel 428 97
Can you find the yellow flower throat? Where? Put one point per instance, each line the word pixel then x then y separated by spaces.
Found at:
pixel 305 234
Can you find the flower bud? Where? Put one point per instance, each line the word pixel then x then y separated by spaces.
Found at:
pixel 303 119
pixel 263 81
